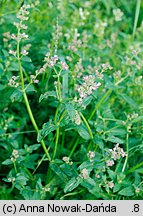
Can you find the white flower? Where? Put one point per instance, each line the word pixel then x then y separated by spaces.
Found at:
pixel 24 52
pixel 64 66
pixel 118 14
pixel 109 163
pixel 77 118
pixel 84 173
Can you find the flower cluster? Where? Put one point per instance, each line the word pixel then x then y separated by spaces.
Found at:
pixel 99 28
pixel 76 43
pixel 11 179
pixel 106 66
pixel 23 13
pixel 7 36
pixel 67 160
pixel 115 154
pixel 83 13
pixel 109 184
pixel 77 119
pixel 132 116
pixel 15 155
pixel 79 68
pixel 13 82
pixel 64 65
pixel 118 14
pixel 91 155
pixel 33 79
pixel 84 173
pixel 22 16
pixel 88 86
pixel 51 61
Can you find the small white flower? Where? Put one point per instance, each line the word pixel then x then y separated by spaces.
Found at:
pixel 84 173
pixel 109 163
pixel 24 52
pixel 118 14
pixel 64 66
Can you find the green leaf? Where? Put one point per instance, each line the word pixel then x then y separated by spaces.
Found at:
pixel 7 162
pixel 65 85
pixel 87 101
pixel 88 183
pixel 26 59
pixel 116 187
pixel 30 88
pixel 117 132
pixel 87 164
pixel 16 96
pixel 112 174
pixel 83 132
pixel 72 184
pixel 48 94
pixel 46 129
pixel 140 118
pixel 31 148
pixel 129 100
pixel 115 139
pixel 56 169
pixel 128 191
pixel 71 110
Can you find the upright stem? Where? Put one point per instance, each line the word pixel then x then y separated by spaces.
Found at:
pixel 27 102
pixel 56 143
pixel 99 103
pixel 74 147
pixel 87 125
pixel 138 5
pixel 127 150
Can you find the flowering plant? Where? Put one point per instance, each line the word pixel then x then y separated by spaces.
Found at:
pixel 71 101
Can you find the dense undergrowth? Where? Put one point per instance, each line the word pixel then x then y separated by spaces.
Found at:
pixel 71 99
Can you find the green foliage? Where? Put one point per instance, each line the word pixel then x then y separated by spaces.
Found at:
pixel 71 110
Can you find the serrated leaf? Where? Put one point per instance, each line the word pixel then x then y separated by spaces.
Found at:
pixel 71 111
pixel 46 129
pixel 16 95
pixel 128 191
pixel 72 184
pixel 83 132
pixel 48 94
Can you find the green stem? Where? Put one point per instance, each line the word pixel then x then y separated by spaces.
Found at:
pixel 134 168
pixel 127 150
pixel 87 125
pixel 74 147
pixel 99 103
pixel 26 100
pixel 57 130
pixel 15 167
pixel 56 143
pixel 59 85
pixel 138 4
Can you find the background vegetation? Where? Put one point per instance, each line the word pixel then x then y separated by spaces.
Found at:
pixel 79 133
